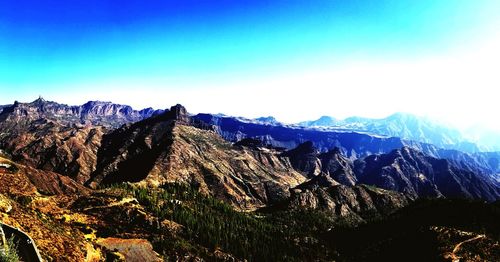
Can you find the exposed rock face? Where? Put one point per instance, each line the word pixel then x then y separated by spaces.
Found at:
pixel 113 115
pixel 411 172
pixel 48 145
pixel 61 138
pixel 404 170
pixel 305 158
pixel 332 165
pixel 353 204
pixel 168 148
pixel 337 166
pixel 30 181
pixel 93 113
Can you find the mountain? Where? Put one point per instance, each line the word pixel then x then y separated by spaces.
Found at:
pixel 351 143
pixel 352 205
pixel 323 121
pixel 38 134
pixel 172 147
pixel 60 138
pixel 99 113
pixel 267 120
pixel 2 107
pixel 404 170
pixel 171 186
pixel 28 195
pixel 406 126
pixel 333 165
pixel 49 145
pixel 417 175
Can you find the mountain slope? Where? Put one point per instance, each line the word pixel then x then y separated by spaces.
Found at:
pixel 417 175
pixel 352 205
pixel 170 148
pixel 404 170
pixel 48 145
pixel 61 138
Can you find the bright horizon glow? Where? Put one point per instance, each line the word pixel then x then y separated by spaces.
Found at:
pixel 292 61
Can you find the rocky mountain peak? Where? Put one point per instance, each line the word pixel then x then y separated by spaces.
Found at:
pixel 179 114
pixel 335 151
pixel 39 100
pixel 305 158
pixel 338 167
pixel 100 113
pixel 305 148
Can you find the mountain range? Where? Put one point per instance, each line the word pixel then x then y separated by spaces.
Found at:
pixel 410 127
pixel 172 185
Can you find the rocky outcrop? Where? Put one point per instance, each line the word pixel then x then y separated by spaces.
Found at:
pixel 305 159
pixel 134 250
pixel 332 165
pixel 338 167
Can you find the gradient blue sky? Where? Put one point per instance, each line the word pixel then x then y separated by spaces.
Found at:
pixel 295 60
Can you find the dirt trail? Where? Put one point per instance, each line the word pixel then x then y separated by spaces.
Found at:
pixel 453 256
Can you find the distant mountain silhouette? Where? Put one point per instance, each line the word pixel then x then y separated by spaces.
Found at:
pixel 401 125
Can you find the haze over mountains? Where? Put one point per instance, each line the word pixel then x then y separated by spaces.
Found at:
pixel 354 137
pixel 405 126
pixel 82 163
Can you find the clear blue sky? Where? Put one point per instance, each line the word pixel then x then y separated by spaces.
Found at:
pixel 293 59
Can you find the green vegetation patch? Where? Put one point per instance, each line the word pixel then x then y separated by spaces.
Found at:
pixel 213 224
pixel 9 252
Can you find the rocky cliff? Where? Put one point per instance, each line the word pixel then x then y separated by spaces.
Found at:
pixel 98 113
